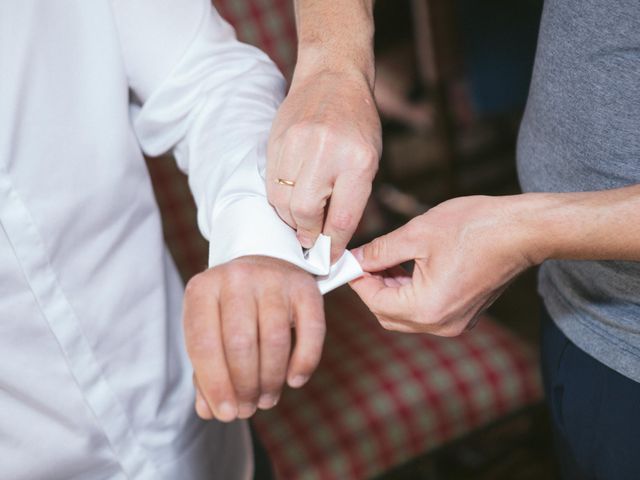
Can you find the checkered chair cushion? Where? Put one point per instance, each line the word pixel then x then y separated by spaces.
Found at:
pixel 379 399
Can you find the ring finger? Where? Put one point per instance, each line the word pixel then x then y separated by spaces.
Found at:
pixel 281 180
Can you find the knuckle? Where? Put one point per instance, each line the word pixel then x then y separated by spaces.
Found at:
pixel 239 343
pixel 343 221
pixel 376 249
pixel 301 132
pixel 196 285
pixel 278 339
pixel 297 130
pixel 367 159
pixel 237 274
pixel 305 209
pixel 306 286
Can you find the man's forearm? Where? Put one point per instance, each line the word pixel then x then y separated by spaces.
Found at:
pixel 603 225
pixel 335 35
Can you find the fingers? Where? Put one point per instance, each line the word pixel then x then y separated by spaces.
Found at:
pixel 296 157
pixel 322 165
pixel 390 303
pixel 348 188
pixel 280 198
pixel 240 336
pixel 239 343
pixel 401 245
pixel 348 201
pixel 283 166
pixel 395 303
pixel 310 333
pixel 275 346
pixel 202 407
pixel 308 201
pixel 204 344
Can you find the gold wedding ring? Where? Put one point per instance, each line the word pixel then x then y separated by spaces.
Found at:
pixel 288 183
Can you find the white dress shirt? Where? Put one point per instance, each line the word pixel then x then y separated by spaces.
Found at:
pixel 94 379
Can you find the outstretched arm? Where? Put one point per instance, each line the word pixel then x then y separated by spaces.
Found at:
pixel 467 250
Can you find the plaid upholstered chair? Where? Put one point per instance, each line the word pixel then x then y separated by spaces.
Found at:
pixel 378 399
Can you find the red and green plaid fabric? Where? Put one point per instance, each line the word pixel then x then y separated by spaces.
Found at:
pixel 379 399
pixel 267 24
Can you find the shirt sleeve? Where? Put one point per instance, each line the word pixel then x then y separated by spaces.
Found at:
pixel 212 99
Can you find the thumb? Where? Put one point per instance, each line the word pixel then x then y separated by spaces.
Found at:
pixel 390 250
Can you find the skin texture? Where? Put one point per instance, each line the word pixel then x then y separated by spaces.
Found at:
pixel 326 136
pixel 238 333
pixel 467 251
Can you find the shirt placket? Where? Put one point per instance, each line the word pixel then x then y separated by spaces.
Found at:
pixel 28 247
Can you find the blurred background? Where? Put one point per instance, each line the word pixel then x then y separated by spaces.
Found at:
pixel 452 81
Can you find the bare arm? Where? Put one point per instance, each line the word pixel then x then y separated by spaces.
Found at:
pixel 602 225
pixel 335 35
pixel 468 249
pixel 326 137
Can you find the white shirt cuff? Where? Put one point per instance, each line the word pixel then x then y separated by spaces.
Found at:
pixel 248 225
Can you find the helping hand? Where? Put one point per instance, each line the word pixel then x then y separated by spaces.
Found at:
pixel 466 252
pixel 326 138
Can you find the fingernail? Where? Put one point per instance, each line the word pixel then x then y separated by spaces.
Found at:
pixel 358 253
pixel 202 408
pixel 298 381
pixel 226 412
pixel 304 240
pixel 245 410
pixel 267 401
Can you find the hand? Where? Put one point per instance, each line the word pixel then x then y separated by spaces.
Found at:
pixel 466 252
pixel 326 138
pixel 237 322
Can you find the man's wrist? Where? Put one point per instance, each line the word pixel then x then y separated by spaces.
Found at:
pixel 355 62
pixel 335 36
